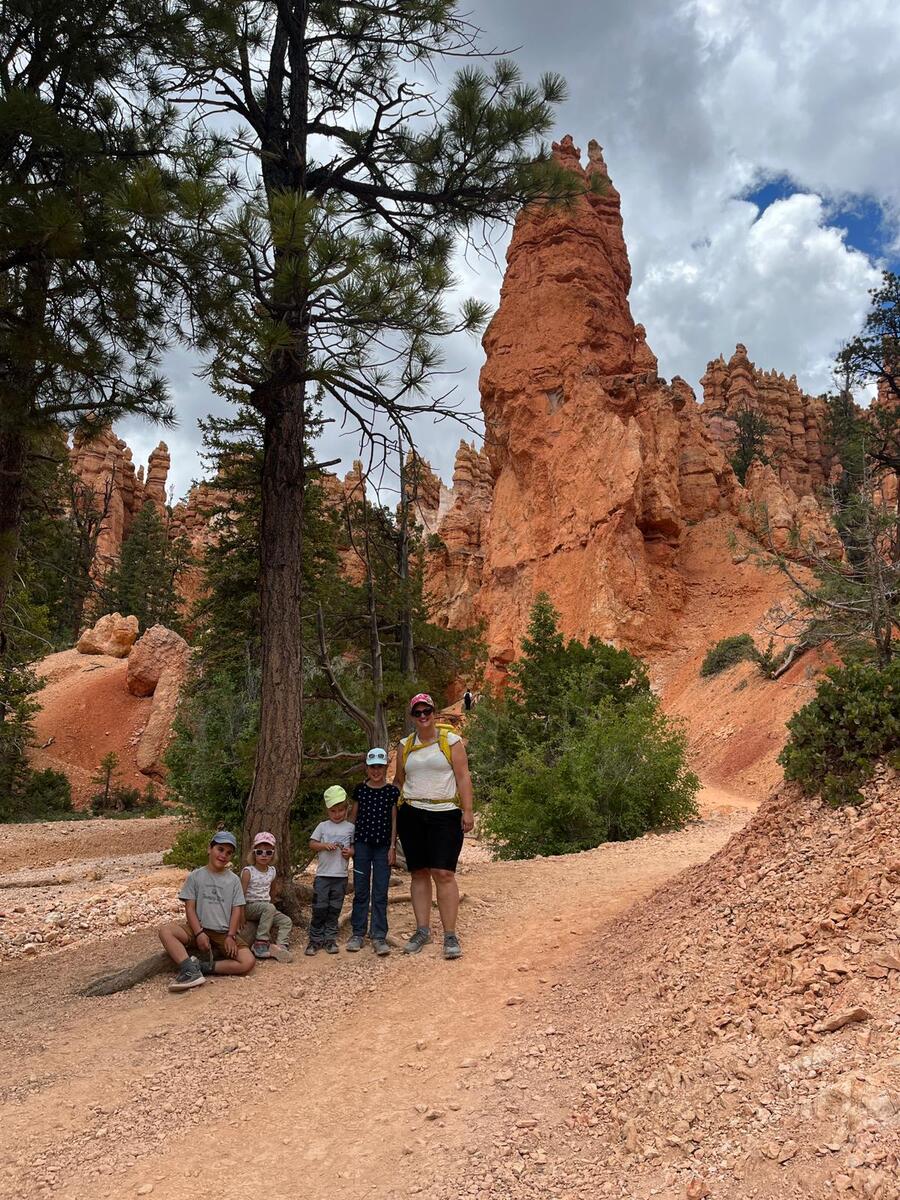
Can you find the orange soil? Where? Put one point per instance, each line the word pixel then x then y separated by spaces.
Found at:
pixel 735 720
pixel 86 712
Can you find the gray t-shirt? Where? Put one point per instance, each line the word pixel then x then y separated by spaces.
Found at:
pixel 215 893
pixel 331 862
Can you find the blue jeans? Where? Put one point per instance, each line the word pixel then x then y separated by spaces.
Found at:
pixel 371 875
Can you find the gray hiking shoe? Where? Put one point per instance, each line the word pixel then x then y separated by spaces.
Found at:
pixel 331 948
pixel 189 976
pixel 356 942
pixel 280 953
pixel 380 946
pixel 261 948
pixel 419 939
pixel 311 949
pixel 452 948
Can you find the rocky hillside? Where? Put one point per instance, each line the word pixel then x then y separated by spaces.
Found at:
pixel 748 1038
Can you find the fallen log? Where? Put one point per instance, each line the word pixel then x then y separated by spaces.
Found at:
pixel 129 977
pixel 155 964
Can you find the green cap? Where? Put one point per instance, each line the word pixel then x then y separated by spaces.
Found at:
pixel 335 795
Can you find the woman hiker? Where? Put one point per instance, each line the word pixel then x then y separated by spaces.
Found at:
pixel 435 811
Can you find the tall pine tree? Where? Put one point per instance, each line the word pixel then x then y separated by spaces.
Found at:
pixel 103 206
pixel 367 171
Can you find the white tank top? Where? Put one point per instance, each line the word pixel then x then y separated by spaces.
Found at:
pixel 430 782
pixel 260 885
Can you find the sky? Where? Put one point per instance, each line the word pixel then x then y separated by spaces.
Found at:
pixel 756 147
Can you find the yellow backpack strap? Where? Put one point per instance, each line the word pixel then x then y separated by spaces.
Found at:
pixel 444 732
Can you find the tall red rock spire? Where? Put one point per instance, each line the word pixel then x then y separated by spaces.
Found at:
pixel 586 442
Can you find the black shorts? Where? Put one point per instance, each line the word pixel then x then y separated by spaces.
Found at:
pixel 430 839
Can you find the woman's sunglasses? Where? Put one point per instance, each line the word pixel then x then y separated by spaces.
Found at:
pixel 422 712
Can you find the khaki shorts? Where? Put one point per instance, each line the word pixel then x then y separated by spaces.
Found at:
pixel 216 939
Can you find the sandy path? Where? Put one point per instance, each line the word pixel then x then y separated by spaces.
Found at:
pixel 346 1074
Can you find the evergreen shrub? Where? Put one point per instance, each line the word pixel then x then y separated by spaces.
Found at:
pixel 576 752
pixel 727 652
pixel 852 722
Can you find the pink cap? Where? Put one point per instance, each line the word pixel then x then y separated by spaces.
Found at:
pixel 264 839
pixel 421 698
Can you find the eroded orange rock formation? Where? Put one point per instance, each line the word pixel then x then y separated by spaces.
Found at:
pixel 798 442
pixel 597 462
pixel 456 560
pixel 104 464
pixel 594 466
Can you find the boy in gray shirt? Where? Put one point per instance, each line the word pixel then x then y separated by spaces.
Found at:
pixel 332 840
pixel 214 912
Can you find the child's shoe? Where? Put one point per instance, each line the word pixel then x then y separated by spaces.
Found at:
pixel 261 948
pixel 380 946
pixel 331 948
pixel 280 953
pixel 356 942
pixel 311 949
pixel 189 976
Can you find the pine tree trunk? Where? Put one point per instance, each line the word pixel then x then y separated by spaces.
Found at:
pixel 12 488
pixel 280 746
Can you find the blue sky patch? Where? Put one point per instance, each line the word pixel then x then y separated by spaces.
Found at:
pixel 862 217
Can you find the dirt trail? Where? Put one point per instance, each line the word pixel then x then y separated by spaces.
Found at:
pixel 388 1064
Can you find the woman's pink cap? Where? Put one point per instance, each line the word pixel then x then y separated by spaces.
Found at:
pixel 421 698
pixel 264 839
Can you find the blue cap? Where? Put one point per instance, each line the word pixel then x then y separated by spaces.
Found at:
pixel 376 757
pixel 223 838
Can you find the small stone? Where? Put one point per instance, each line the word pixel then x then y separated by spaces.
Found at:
pixel 145 1189
pixel 849 1017
pixel 513 1000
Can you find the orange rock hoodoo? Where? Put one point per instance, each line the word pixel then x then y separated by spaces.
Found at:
pixel 597 465
pixel 797 444
pixel 103 463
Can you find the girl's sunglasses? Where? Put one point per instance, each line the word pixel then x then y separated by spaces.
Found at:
pixel 264 853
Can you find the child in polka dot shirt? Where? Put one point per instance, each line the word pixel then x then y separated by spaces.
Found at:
pixel 374 814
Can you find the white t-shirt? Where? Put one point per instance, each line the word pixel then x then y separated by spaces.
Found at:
pixel 430 777
pixel 260 885
pixel 332 864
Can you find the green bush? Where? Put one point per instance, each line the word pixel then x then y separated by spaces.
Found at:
pixel 44 796
pixel 727 652
pixel 836 740
pixel 621 774
pixel 190 848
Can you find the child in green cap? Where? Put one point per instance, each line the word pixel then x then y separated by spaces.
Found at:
pixel 332 840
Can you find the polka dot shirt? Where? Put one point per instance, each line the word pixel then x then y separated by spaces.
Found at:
pixel 373 813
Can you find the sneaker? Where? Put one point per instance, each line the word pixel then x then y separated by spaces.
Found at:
pixel 189 976
pixel 356 942
pixel 280 953
pixel 311 949
pixel 452 948
pixel 331 948
pixel 380 946
pixel 419 939
pixel 261 948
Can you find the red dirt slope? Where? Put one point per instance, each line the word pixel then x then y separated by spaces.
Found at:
pixel 86 712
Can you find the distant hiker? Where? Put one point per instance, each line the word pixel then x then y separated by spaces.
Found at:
pixel 332 840
pixel 374 817
pixel 214 912
pixel 258 881
pixel 467 700
pixel 435 810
